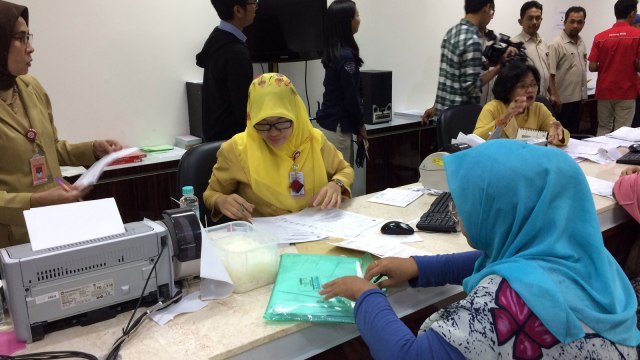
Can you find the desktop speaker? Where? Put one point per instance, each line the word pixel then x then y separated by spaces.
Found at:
pixel 194 107
pixel 376 96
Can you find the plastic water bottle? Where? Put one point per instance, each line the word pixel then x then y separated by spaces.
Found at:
pixel 189 200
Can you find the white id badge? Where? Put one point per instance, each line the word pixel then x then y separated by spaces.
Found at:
pixel 38 170
pixel 296 183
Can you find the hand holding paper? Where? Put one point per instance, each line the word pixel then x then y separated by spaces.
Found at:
pixel 93 174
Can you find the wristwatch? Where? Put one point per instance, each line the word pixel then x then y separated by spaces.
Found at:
pixel 339 183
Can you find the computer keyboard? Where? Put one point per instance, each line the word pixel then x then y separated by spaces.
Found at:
pixel 630 158
pixel 438 218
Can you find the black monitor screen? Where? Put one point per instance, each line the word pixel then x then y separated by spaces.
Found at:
pixel 287 30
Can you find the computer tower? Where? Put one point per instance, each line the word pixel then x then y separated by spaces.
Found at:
pixel 376 96
pixel 194 107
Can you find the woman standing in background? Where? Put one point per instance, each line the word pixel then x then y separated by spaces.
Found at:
pixel 340 115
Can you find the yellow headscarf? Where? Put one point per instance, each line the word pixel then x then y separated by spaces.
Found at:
pixel 270 95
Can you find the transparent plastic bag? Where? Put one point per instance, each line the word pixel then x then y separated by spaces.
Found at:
pixel 295 292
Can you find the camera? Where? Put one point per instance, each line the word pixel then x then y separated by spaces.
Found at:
pixel 498 45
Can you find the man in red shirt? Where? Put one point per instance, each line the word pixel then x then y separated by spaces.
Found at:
pixel 614 55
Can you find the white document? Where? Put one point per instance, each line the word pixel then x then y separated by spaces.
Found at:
pixel 396 197
pixel 626 133
pixel 215 282
pixel 608 140
pixel 188 304
pixel 600 187
pixel 284 232
pixel 471 139
pixel 93 174
pixel 332 222
pixel 175 152
pixel 600 153
pixel 65 224
pixel 380 247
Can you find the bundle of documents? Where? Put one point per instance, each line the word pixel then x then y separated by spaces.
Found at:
pixel 626 133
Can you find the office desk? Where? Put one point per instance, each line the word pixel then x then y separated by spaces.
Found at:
pixel 396 149
pixel 234 328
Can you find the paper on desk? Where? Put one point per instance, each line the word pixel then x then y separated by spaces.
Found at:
pixel 285 233
pixel 332 222
pixel 597 152
pixel 65 224
pixel 470 139
pixel 600 187
pixel 396 197
pixel 175 152
pixel 608 140
pixel 93 174
pixel 381 247
pixel 626 133
pixel 188 304
pixel 215 282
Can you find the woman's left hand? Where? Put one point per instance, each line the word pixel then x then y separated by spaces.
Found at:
pixel 350 287
pixel 330 196
pixel 556 133
pixel 104 147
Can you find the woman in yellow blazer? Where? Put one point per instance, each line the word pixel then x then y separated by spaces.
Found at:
pixel 515 106
pixel 280 163
pixel 30 151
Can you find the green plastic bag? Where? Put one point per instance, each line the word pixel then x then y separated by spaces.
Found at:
pixel 295 292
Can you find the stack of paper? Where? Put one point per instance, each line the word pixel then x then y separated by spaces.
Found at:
pixel 626 133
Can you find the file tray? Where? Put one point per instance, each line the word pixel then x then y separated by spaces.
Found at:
pixel 250 257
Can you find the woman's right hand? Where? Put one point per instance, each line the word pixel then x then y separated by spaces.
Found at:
pixel 630 170
pixel 397 271
pixel 234 206
pixel 516 107
pixel 57 195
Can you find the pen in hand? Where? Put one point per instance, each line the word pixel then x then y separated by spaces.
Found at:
pixel 244 211
pixel 62 184
pixel 378 278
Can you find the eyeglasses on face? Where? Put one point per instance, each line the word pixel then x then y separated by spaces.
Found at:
pixel 525 86
pixel 282 125
pixel 254 3
pixel 24 37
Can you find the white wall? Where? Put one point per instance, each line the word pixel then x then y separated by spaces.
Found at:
pixel 117 68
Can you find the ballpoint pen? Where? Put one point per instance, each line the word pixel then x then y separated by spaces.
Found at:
pixel 377 278
pixel 244 211
pixel 62 184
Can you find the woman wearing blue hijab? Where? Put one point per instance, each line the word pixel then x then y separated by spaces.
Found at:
pixel 541 285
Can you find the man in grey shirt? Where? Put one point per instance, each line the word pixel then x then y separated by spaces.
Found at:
pixel 568 68
pixel 536 47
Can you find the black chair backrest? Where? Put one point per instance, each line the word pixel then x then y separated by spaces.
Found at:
pixel 195 169
pixel 450 122
pixel 547 103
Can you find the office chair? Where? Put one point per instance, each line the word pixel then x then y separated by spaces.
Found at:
pixel 195 169
pixel 546 102
pixel 450 122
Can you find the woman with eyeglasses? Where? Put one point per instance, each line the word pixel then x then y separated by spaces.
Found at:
pixel 541 284
pixel 280 163
pixel 515 107
pixel 340 115
pixel 30 151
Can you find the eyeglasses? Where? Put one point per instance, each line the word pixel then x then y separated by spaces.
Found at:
pixel 254 3
pixel 523 86
pixel 24 37
pixel 282 125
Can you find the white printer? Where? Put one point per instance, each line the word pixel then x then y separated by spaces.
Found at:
pixel 93 280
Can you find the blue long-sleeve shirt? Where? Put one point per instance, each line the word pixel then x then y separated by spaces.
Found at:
pixel 387 336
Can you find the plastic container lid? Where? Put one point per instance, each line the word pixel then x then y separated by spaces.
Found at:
pixel 187 190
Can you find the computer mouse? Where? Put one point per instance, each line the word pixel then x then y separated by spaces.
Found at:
pixel 634 148
pixel 396 228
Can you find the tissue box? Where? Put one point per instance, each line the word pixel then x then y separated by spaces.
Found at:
pixel 250 257
pixel 187 141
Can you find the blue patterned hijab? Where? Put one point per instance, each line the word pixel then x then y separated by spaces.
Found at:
pixel 530 211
